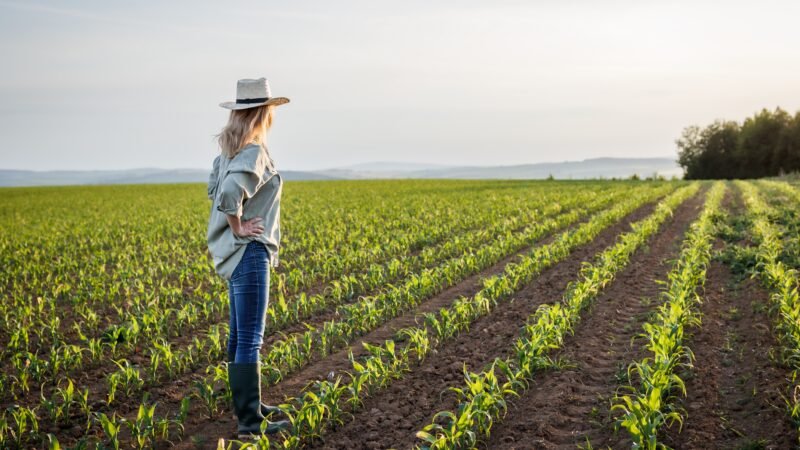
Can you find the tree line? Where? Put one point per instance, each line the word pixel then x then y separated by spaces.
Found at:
pixel 766 144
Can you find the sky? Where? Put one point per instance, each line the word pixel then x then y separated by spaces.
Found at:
pixel 89 85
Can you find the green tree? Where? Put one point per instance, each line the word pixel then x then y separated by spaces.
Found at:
pixel 766 144
pixel 708 152
pixel 787 154
pixel 758 143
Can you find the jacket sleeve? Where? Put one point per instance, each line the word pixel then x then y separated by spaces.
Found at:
pixel 243 179
pixel 212 179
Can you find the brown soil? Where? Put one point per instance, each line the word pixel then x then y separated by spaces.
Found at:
pixel 442 364
pixel 734 391
pixel 391 418
pixel 568 407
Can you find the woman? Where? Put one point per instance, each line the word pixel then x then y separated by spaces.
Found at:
pixel 243 239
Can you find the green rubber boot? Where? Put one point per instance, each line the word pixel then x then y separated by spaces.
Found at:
pixel 245 381
pixel 266 410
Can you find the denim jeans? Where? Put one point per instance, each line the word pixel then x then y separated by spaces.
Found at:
pixel 249 295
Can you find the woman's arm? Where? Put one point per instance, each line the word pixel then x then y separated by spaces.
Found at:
pixel 212 179
pixel 242 182
pixel 235 189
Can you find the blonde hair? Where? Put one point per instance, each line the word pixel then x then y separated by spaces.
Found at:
pixel 245 126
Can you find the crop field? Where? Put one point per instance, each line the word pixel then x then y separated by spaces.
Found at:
pixel 429 314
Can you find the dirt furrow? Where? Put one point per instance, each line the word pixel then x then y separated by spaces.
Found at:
pixel 569 407
pixel 734 390
pixel 391 418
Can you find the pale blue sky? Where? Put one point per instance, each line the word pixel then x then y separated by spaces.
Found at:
pixel 115 85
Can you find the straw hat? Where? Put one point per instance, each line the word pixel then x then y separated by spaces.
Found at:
pixel 251 93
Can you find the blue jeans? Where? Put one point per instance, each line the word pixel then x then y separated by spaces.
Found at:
pixel 249 295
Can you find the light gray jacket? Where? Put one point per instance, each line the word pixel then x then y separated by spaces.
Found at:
pixel 248 185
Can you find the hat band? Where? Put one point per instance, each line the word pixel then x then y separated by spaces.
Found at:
pixel 252 100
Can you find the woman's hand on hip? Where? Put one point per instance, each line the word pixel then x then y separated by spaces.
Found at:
pixel 248 228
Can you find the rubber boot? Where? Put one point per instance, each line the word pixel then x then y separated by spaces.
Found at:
pixel 245 381
pixel 266 410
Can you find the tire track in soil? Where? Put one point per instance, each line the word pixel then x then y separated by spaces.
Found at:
pixel 734 391
pixel 565 408
pixel 555 277
pixel 391 418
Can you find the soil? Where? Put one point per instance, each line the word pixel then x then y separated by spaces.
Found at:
pixel 391 418
pixel 562 408
pixel 442 366
pixel 734 390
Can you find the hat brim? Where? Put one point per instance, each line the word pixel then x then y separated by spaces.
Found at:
pixel 272 101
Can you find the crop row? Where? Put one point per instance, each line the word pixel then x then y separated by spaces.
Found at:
pixel 483 398
pixel 654 381
pixel 782 283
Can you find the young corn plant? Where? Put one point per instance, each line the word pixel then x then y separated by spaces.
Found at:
pixel 330 394
pixel 183 414
pixel 204 390
pixel 111 427
pixel 456 432
pixel 143 428
pixel 480 402
pixel 418 341
pixel 219 377
pixel 127 377
pixel 357 385
pixel 22 425
pixel 307 416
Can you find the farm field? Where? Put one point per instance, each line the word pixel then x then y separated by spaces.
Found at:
pixel 412 314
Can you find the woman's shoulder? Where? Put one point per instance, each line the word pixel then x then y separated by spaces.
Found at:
pixel 251 158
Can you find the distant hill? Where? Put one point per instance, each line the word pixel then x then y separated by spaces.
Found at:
pixel 132 176
pixel 588 168
pixel 379 166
